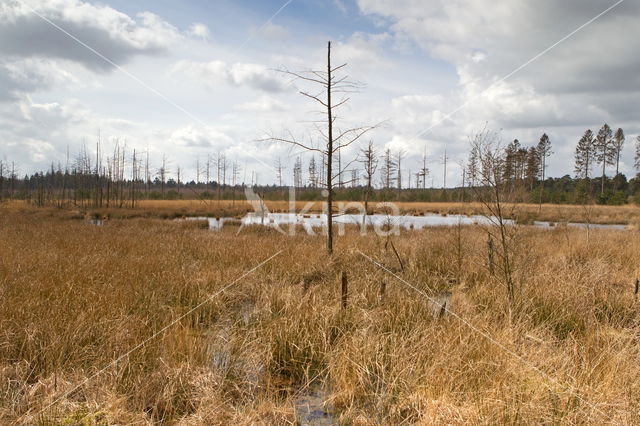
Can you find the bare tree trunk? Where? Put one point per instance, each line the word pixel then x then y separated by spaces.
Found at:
pixel 604 165
pixel 333 144
pixel 329 156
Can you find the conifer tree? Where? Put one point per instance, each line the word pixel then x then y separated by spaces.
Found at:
pixel 618 142
pixel 584 155
pixel 533 167
pixel 544 151
pixel 637 157
pixel 605 150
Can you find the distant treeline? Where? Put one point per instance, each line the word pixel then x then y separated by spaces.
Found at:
pixel 115 180
pixel 57 188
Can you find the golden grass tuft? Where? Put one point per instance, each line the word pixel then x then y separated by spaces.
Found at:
pixel 74 297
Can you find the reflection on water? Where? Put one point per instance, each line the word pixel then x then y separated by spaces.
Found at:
pixel 580 225
pixel 311 408
pixel 379 220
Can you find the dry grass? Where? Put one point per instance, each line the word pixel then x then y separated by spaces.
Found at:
pixel 74 297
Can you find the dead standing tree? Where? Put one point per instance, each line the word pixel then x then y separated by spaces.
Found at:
pixel 369 160
pixel 329 85
pixel 496 195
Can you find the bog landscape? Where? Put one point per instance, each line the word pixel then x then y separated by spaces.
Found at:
pixel 481 267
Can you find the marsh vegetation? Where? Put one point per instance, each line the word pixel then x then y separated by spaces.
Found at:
pixel 76 299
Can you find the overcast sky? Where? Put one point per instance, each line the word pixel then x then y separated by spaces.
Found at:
pixel 191 78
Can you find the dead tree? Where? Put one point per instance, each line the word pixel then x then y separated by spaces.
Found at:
pixel 313 173
pixel 399 157
pixel 326 84
pixel 207 171
pixel 235 176
pixel 162 174
pixel 2 171
pixel 444 173
pixel 424 171
pixel 197 170
pixel 219 158
pixel 147 173
pixel 178 175
pixel 494 193
pixel 388 169
pixel 369 161
pixel 297 173
pixel 279 169
pixel 134 178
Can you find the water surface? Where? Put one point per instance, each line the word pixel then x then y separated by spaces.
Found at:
pixel 313 221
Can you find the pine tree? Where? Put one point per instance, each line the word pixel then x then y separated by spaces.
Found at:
pixel 533 166
pixel 637 157
pixel 1 179
pixel 544 151
pixel 510 159
pixel 605 151
pixel 584 155
pixel 618 142
pixel 521 163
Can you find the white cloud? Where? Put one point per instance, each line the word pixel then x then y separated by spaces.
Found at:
pixel 263 104
pixel 272 31
pixel 339 4
pixel 190 136
pixel 424 60
pixel 240 74
pixel 30 75
pixel 490 40
pixel 199 30
pixel 28 28
pixel 582 82
pixel 362 52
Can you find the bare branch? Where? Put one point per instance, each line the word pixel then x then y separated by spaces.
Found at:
pixel 300 76
pixel 357 133
pixel 315 98
pixel 338 67
pixel 342 102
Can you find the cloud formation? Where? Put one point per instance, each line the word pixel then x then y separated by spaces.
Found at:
pixel 36 28
pixel 199 30
pixel 250 75
pixel 419 62
pixel 587 79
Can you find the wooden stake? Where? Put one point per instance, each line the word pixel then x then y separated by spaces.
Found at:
pixel 443 310
pixel 490 254
pixel 383 287
pixel 345 290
